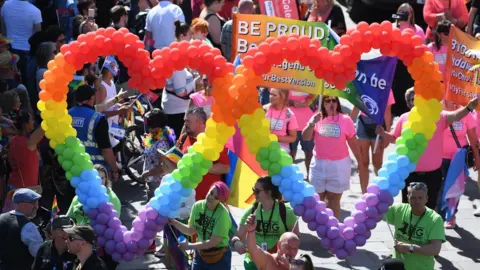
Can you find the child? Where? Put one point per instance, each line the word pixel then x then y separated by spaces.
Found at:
pixel 199 29
pixel 438 46
pixel 8 62
pixel 160 137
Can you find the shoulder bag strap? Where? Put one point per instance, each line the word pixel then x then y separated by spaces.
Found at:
pixel 455 136
pixel 18 167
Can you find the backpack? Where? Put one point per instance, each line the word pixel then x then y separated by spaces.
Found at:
pixel 283 213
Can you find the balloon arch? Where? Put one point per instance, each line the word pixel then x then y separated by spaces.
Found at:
pixel 236 102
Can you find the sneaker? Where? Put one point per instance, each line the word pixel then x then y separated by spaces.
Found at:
pixel 451 224
pixel 160 253
pixel 477 212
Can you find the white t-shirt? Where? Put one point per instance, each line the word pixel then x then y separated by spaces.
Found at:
pixel 111 93
pixel 161 22
pixel 182 84
pixel 19 17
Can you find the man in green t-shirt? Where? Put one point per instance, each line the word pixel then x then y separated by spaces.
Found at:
pixel 419 231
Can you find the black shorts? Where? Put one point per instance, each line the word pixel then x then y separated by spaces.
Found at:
pixel 433 180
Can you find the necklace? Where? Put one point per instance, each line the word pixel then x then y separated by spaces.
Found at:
pixel 166 132
pixel 412 229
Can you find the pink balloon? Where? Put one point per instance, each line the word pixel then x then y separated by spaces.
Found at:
pixel 361 205
pixel 142 214
pixel 329 212
pixel 127 237
pixel 151 213
pixel 371 199
pixel 348 233
pixel 136 236
pixel 373 188
pixel 349 222
pixel 359 216
pixel 138 224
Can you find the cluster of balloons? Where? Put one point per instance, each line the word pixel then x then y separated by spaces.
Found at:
pixel 56 121
pixel 211 142
pixel 73 158
pixel 169 196
pixel 89 189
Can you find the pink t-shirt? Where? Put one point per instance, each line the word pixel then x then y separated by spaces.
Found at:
pixel 279 123
pixel 390 101
pixel 432 157
pixel 460 127
pixel 477 123
pixel 418 30
pixel 303 114
pixel 439 56
pixel 331 135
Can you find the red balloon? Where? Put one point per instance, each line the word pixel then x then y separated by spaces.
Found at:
pixel 367 37
pixel 175 54
pixel 100 32
pixel 293 44
pixel 304 41
pixel 109 32
pixel 282 40
pixel 219 60
pixel 174 45
pixel 130 38
pixel 362 26
pixel 275 47
pixel 336 58
pixel 81 38
pixel 247 61
pixel 123 30
pixel 208 59
pixel 69 57
pixel 99 40
pixel 346 40
pixel 345 51
pixel 156 53
pixel 375 29
pixel 118 37
pixel 406 38
pixel 64 48
pixel 203 49
pixel 183 46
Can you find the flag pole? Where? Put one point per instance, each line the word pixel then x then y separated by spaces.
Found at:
pixel 376 143
pixel 329 23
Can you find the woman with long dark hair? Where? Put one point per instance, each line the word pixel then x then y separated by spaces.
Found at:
pixel 215 22
pixel 332 132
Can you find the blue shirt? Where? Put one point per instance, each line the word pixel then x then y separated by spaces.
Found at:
pixel 30 236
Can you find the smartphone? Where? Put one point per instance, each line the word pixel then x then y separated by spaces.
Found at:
pixel 91 14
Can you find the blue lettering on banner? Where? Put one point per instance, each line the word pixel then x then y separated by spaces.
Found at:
pixel 78 121
pixel 329 130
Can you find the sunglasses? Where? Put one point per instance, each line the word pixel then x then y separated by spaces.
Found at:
pixel 256 191
pixel 330 100
pixel 296 262
pixel 418 185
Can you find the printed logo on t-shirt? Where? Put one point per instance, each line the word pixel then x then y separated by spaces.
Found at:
pixel 417 234
pixel 275 123
pixel 457 125
pixel 329 130
pixel 205 221
pixel 78 121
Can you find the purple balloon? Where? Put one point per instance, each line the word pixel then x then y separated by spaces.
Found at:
pixel 322 231
pixel 359 216
pixel 320 206
pixel 312 225
pixel 127 236
pixel 159 228
pixel 93 223
pixel 114 223
pixel 371 199
pixel 332 221
pixel 150 225
pixel 109 233
pixel 99 229
pixel 349 222
pixel 138 224
pixel 116 257
pixel 360 240
pixel 341 254
pixel 341 227
pixel 326 242
pixel 338 242
pixel 309 215
pixel 143 244
pixel 110 246
pixel 321 218
pixel 368 234
pixel 329 212
pixel 370 223
pixel 333 232
pixel 132 246
pixel 373 188
pixel 102 218
pixel 92 213
pixel 136 235
pixel 385 196
pixel 378 218
pixel 161 220
pixel 360 228
pixel 350 245
pixel 120 247
pixel 316 197
pixel 332 250
pixel 152 213
pixel 128 256
pixel 361 205
pixel 142 214
pixel 148 234
pixel 382 207
pixel 140 252
pixel 123 228
pixel 106 208
pixel 309 202
pixel 299 209
pixel 118 236
pixel 101 241
pixel 364 196
pixel 352 252
pixel 371 212
pixel 348 233
pixel 114 213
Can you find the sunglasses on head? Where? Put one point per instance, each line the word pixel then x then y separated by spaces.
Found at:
pixel 418 185
pixel 330 100
pixel 256 191
pixel 74 238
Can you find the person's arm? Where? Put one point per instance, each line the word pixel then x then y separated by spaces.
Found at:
pixel 458 114
pixel 181 83
pixel 37 22
pixel 210 243
pixel 237 241
pixel 259 256
pixel 37 262
pixel 307 133
pixel 31 237
pixel 473 141
pixel 186 229
pixel 471 18
pixel 388 137
pixel 354 114
pixel 461 15
pixel 35 138
pixel 290 138
pixel 388 117
pixel 103 141
pixel 187 209
pixel 214 29
pixel 353 144
pixel 431 249
pixel 101 93
pixel 114 100
pixel 222 166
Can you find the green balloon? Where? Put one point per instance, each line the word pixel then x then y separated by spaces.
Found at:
pixel 420 138
pixel 176 175
pixel 87 165
pixel 407 133
pixel 66 165
pixel 265 164
pixel 286 159
pixel 262 154
pixel 76 170
pixel 402 150
pixel 78 148
pixel 196 178
pixel 78 159
pixel 411 144
pixel 71 141
pixel 274 156
pixel 69 176
pixel 400 140
pixel 274 146
pixel 60 148
pixel 413 156
pixel 207 164
pixel 68 153
pixel 187 159
pixel 197 158
pixel 275 168
pixel 61 159
pixel 204 171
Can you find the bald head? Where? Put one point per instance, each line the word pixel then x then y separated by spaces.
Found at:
pixel 245 7
pixel 286 237
pixel 288 245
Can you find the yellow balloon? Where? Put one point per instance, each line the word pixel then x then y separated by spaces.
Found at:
pixel 52 122
pixel 53 144
pixel 46 114
pixel 41 105
pixel 259 114
pixel 59 137
pixel 44 125
pixel 273 138
pixel 49 133
pixel 51 105
pixel 72 132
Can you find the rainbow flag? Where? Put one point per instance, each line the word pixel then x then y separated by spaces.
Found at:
pixel 140 108
pixel 55 209
pixel 244 172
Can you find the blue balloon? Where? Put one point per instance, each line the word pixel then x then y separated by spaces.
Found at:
pixel 92 202
pixel 297 198
pixel 403 161
pixel 176 186
pixel 88 174
pixel 186 192
pixel 96 180
pixel 391 166
pixel 165 188
pixel 403 173
pixel 394 179
pixel 175 206
pixel 287 171
pixel 104 198
pixel 82 198
pixel 393 190
pixel 383 173
pixel 154 203
pixel 103 189
pixel 382 183
pixel 75 181
pixel 163 199
pixel 309 190
pixel 411 167
pixel 174 197
pixel 164 210
pixel 286 183
pixel 298 186
pixel 401 185
pixel 288 194
pixel 282 189
pixel 84 186
pixel 173 214
pixel 298 176
pixel 85 208
pixel 392 156
pixel 277 179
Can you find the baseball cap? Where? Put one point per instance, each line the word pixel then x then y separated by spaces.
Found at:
pixel 25 195
pixel 82 232
pixel 84 92
pixel 62 222
pixel 111 64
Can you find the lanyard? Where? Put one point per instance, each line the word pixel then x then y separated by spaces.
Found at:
pixel 412 229
pixel 265 231
pixel 205 225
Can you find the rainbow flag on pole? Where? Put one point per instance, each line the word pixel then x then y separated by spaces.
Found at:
pixel 55 209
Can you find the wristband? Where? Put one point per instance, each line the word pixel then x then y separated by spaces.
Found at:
pixel 252 231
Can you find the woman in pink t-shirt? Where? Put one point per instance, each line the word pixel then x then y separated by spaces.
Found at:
pixel 300 105
pixel 438 46
pixel 283 122
pixel 330 169
pixel 367 137
pixel 406 19
pixel 465 133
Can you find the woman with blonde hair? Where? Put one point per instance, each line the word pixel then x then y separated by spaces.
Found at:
pixel 328 12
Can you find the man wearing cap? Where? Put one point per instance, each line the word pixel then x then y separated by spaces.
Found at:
pixel 80 242
pixel 92 128
pixel 20 238
pixel 53 254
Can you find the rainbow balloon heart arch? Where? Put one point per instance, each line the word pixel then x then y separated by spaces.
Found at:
pixel 236 102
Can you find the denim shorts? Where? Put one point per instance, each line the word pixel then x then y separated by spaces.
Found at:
pixel 224 263
pixel 307 146
pixel 362 133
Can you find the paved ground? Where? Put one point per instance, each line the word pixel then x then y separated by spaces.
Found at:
pixel 461 251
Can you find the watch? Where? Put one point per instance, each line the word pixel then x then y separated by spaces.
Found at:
pixel 411 248
pixel 311 124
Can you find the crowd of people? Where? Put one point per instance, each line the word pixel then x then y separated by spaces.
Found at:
pixel 32 179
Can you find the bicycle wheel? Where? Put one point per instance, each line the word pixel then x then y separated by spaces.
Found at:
pixel 132 153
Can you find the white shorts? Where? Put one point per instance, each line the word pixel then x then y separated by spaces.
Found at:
pixel 330 175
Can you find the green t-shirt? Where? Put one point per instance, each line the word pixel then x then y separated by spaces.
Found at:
pixel 216 222
pixel 271 231
pixel 430 227
pixel 75 210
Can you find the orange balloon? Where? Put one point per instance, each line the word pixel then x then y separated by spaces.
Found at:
pixel 44 95
pixel 51 64
pixel 58 96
